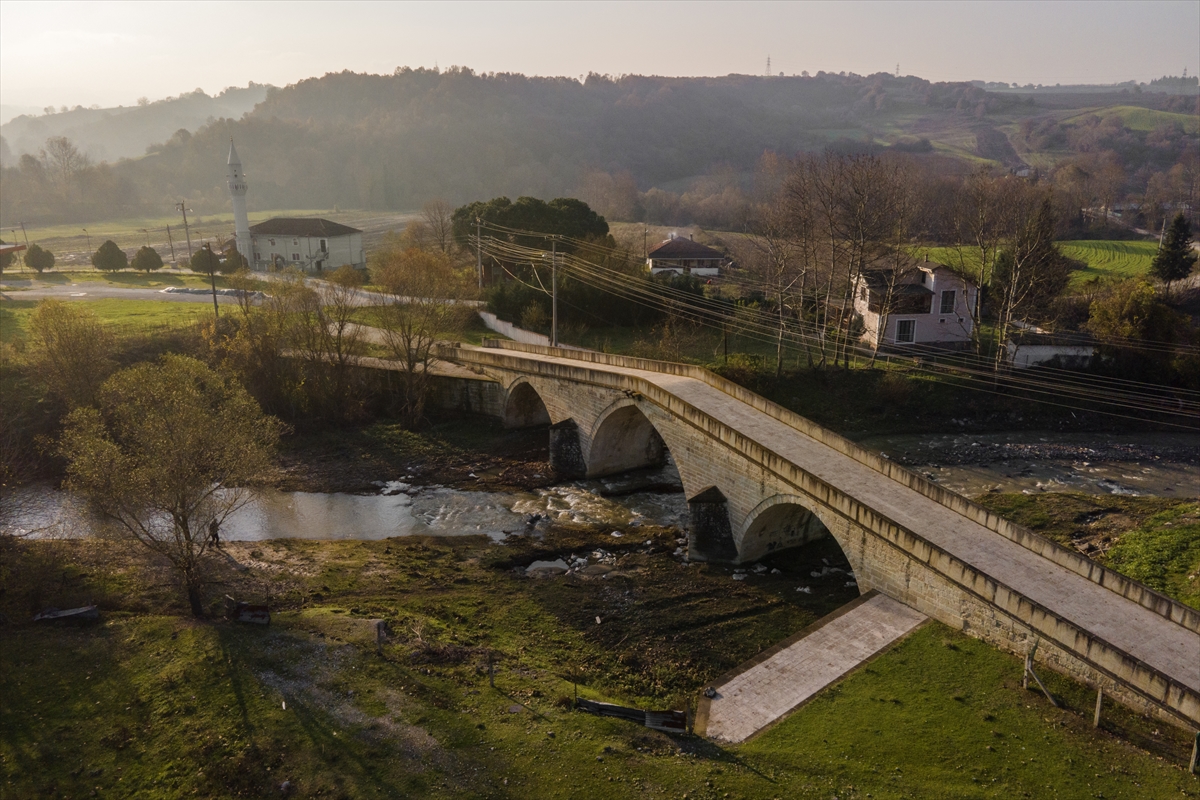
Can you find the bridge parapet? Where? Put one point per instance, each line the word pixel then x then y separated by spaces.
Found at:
pixel 1114 581
pixel 955 581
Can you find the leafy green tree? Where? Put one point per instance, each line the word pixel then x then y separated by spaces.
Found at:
pixel 564 216
pixel 206 261
pixel 146 259
pixel 166 457
pixel 39 259
pixel 109 257
pixel 1128 316
pixel 71 351
pixel 1176 258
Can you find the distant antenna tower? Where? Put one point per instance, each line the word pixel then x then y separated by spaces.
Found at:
pixel 768 72
pixel 897 69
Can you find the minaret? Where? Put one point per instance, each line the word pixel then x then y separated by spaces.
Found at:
pixel 237 191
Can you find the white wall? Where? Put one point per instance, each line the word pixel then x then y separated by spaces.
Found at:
pixel 339 250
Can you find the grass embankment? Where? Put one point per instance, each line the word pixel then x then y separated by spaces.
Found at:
pixel 122 317
pixel 1155 540
pixel 1106 260
pixel 150 703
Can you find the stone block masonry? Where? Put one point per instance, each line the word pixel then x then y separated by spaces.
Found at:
pixel 785 480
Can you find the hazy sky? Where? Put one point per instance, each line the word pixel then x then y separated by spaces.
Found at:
pixel 114 52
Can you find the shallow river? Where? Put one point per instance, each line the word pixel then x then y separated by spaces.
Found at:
pixel 397 510
pixel 1151 464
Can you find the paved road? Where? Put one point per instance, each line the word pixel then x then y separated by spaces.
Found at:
pixel 1158 642
pixel 99 290
pixel 756 697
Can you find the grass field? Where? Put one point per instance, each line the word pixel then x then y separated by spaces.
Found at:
pixel 122 317
pixel 1142 119
pixel 1107 259
pixel 1104 259
pixel 152 703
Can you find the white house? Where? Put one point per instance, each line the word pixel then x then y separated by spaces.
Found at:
pixel 311 243
pixel 1033 348
pixel 929 305
pixel 683 256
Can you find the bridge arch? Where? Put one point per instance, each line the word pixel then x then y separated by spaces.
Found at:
pixel 524 407
pixel 623 438
pixel 783 521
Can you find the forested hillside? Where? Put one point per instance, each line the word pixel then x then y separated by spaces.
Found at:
pixel 109 134
pixel 664 149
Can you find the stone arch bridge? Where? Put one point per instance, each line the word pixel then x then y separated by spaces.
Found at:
pixel 759 478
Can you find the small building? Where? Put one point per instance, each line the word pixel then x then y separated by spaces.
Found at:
pixel 1035 347
pixel 310 243
pixel 929 305
pixel 685 257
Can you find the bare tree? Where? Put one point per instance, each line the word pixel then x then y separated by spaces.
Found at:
pixel 424 305
pixel 328 337
pixel 437 215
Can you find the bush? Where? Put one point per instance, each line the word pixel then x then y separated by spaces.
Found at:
pixel 147 259
pixel 38 259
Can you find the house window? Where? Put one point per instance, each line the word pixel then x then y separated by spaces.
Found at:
pixel 906 331
pixel 322 245
pixel 295 256
pixel 948 301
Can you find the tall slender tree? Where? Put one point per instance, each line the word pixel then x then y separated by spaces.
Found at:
pixel 1176 258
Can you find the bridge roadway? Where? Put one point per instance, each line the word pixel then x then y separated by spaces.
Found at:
pixel 1167 647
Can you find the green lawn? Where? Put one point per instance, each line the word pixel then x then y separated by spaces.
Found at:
pixel 123 317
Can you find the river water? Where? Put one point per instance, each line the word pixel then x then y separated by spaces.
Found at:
pixel 399 510
pixel 970 464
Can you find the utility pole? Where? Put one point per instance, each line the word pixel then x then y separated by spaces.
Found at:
pixel 26 235
pixel 645 242
pixel 147 236
pixel 182 207
pixel 212 264
pixel 553 293
pixel 89 238
pixel 171 242
pixel 478 254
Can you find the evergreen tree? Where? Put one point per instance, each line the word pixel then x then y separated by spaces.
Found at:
pixel 109 257
pixel 147 259
pixel 1175 258
pixel 205 261
pixel 38 259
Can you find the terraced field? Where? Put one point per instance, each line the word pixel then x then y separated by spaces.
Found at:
pixel 1104 259
pixel 1109 259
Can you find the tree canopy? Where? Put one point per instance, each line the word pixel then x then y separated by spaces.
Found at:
pixel 1176 258
pixel 109 257
pixel 564 216
pixel 39 259
pixel 146 259
pixel 165 455
pixel 206 261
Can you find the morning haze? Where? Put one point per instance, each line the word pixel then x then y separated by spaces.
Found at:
pixel 612 400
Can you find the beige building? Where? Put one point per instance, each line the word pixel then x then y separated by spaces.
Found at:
pixel 929 305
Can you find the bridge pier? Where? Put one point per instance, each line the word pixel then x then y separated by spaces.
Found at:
pixel 710 537
pixel 566 453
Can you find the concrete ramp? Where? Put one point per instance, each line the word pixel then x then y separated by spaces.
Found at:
pixel 784 677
